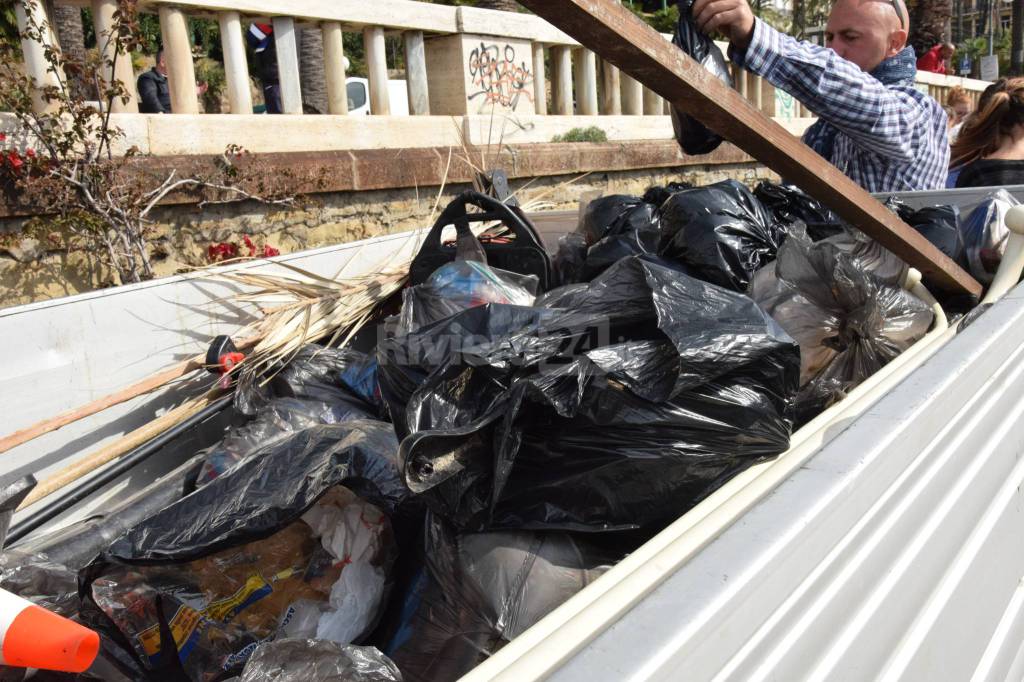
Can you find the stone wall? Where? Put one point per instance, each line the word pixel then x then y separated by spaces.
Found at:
pixel 32 270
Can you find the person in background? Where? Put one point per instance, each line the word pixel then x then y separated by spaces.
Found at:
pixel 960 103
pixel 989 151
pixel 873 123
pixel 935 59
pixel 154 92
pixel 261 39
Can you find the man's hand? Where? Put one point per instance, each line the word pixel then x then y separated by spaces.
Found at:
pixel 732 17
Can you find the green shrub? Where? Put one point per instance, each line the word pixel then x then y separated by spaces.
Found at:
pixel 591 134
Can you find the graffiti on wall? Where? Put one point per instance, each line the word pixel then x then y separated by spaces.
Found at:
pixel 497 78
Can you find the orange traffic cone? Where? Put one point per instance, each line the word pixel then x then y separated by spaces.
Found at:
pixel 32 637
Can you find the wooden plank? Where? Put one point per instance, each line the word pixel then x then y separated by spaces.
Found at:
pixel 638 50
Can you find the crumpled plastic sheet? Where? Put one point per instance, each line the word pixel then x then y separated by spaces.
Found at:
pixel 721 232
pixel 692 135
pixel 223 569
pixel 985 235
pixel 274 421
pixel 460 285
pixel 480 590
pixel 619 405
pixel 311 660
pixel 849 321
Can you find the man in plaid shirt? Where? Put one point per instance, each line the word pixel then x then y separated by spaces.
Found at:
pixel 874 125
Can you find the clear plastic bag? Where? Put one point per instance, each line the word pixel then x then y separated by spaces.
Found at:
pixel 310 660
pixel 458 286
pixel 849 321
pixel 985 235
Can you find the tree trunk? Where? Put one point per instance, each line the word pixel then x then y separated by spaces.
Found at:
pixel 929 23
pixel 1017 39
pixel 799 24
pixel 67 22
pixel 312 78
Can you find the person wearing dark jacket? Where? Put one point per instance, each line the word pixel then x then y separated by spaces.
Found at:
pixel 989 151
pixel 154 93
pixel 261 39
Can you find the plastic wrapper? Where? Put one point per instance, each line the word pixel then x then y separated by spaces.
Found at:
pixel 940 225
pixel 308 660
pixel 985 235
pixel 198 585
pixel 692 135
pixel 621 405
pixel 458 286
pixel 480 590
pixel 721 232
pixel 11 495
pixel 274 421
pixel 849 322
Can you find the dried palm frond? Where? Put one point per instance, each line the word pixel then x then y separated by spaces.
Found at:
pixel 302 307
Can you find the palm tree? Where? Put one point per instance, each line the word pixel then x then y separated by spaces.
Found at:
pixel 929 23
pixel 67 23
pixel 312 78
pixel 1017 39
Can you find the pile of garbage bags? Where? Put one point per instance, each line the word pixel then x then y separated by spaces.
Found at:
pixel 404 512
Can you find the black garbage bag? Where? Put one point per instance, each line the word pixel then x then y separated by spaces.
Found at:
pixel 316 660
pixel 567 265
pixel 478 591
pixel 849 321
pixel 788 204
pixel 721 232
pixel 616 227
pixel 657 195
pixel 459 285
pixel 315 373
pixel 692 135
pixel 294 541
pixel 622 410
pixel 940 225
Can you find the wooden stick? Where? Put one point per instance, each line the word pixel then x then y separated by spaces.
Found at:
pixel 618 36
pixel 147 385
pixel 129 442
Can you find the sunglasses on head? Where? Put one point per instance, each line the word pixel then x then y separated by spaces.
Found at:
pixel 899 13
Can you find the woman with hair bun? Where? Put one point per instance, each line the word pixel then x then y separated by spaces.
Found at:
pixel 989 151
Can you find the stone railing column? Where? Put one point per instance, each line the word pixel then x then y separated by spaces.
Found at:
pixel 561 80
pixel 334 68
pixel 540 89
pixel 36 66
pixel 103 23
pixel 377 70
pixel 287 46
pixel 586 82
pixel 416 74
pixel 236 67
pixel 181 72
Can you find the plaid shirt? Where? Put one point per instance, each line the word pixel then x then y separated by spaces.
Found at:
pixel 891 138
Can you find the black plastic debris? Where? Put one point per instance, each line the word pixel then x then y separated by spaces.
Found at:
pixel 985 235
pixel 478 591
pixel 692 135
pixel 940 225
pixel 849 320
pixel 620 410
pixel 788 204
pixel 721 232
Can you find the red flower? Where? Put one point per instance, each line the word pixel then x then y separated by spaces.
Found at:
pixel 270 251
pixel 222 251
pixel 249 245
pixel 14 160
pixel 30 153
pixel 3 137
